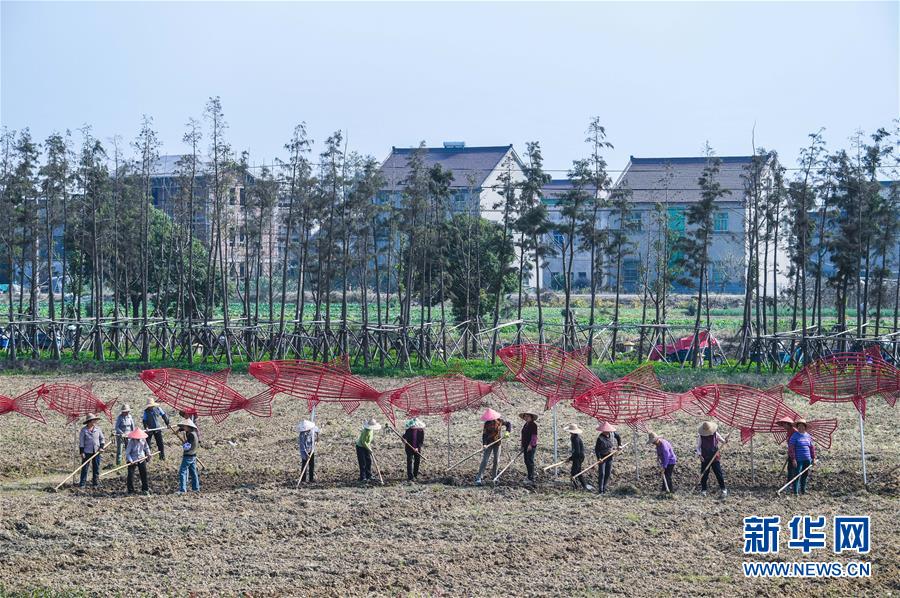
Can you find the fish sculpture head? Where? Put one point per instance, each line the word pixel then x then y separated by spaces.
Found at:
pixel 801 382
pixel 264 371
pixel 155 378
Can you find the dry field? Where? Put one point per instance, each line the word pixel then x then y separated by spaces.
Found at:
pixel 250 531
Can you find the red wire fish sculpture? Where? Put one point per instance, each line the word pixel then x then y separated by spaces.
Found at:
pixel 73 401
pixel 204 395
pixel 632 400
pixel 549 371
pixel 24 404
pixel 753 410
pixel 316 383
pixel 848 377
pixel 442 395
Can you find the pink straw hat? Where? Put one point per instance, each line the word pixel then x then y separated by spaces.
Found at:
pixel 489 415
pixel 606 427
pixel 137 434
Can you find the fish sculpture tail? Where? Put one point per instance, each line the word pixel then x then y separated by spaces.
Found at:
pixel 821 431
pixel 260 405
pixel 891 398
pixel 27 405
pixel 107 409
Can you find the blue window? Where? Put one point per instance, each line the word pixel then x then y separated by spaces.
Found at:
pixel 720 222
pixel 635 221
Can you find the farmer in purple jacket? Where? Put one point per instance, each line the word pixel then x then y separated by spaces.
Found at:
pixel 802 454
pixel 666 457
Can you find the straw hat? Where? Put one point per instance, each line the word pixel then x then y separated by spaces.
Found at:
pixel 533 415
pixel 573 429
pixel 371 424
pixel 652 438
pixel 489 415
pixel 137 434
pixel 186 423
pixel 126 408
pixel 785 420
pixel 800 421
pixel 305 426
pixel 90 418
pixel 415 423
pixel 606 427
pixel 707 428
pixel 151 403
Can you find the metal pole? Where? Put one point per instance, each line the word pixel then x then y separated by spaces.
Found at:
pixel 752 465
pixel 862 448
pixel 637 459
pixel 555 442
pixel 448 442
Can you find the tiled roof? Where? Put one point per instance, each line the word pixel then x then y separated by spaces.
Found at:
pixel 648 180
pixel 463 161
pixel 167 165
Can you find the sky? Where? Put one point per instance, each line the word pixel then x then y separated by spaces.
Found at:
pixel 664 78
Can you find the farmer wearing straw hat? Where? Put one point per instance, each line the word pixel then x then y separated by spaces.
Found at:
pixel 307 435
pixel 708 441
pixel 189 457
pixel 788 425
pixel 802 454
pixel 665 455
pixel 577 456
pixel 414 435
pixel 529 442
pixel 154 420
pixel 490 440
pixel 124 425
pixel 90 442
pixel 364 448
pixel 137 453
pixel 602 448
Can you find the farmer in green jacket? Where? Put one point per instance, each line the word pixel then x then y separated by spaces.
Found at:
pixel 364 449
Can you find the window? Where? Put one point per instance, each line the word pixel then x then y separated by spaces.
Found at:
pixel 582 276
pixel 720 222
pixel 630 274
pixel 676 219
pixel 559 239
pixel 231 195
pixel 634 221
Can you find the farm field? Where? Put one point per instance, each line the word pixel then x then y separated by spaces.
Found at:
pixel 251 531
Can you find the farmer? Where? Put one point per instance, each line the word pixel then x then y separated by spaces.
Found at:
pixel 154 420
pixel 577 456
pixel 665 455
pixel 364 448
pixel 191 414
pixel 414 435
pixel 787 424
pixel 602 449
pixel 529 442
pixel 708 442
pixel 307 435
pixel 188 457
pixel 802 454
pixel 124 425
pixel 137 453
pixel 90 442
pixel 490 440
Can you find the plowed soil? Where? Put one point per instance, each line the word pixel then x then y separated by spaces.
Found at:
pixel 251 531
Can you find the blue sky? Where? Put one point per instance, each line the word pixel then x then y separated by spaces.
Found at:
pixel 663 77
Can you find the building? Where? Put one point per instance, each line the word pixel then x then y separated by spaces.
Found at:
pixel 661 190
pixel 476 186
pixel 166 180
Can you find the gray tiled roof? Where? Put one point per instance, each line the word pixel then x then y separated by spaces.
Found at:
pixel 647 178
pixel 463 161
pixel 167 165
